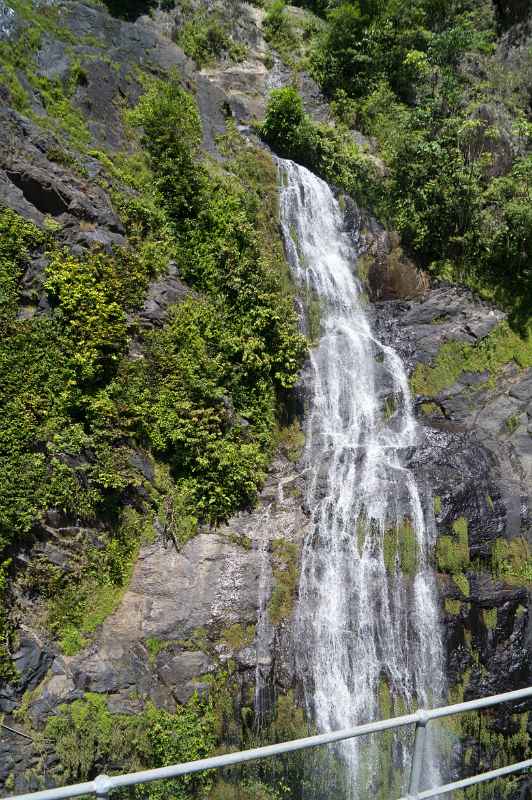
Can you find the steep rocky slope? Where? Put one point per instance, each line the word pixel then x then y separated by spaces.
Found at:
pixel 213 616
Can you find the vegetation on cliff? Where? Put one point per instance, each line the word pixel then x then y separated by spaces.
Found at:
pixel 202 398
pixel 451 119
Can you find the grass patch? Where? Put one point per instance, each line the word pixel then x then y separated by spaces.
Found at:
pixel 462 583
pixel 286 574
pixel 489 617
pixel 452 607
pixel 238 636
pixel 511 561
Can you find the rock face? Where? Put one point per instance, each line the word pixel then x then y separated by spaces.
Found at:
pixel 475 457
pixel 184 614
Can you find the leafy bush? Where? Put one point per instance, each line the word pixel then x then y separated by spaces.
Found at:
pixel 206 38
pixel 210 378
pixel 330 152
pixel 17 238
pixel 171 135
pixel 74 408
pixel 87 737
pixel 403 73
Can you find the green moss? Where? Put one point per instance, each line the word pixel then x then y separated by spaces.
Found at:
pixel 313 318
pixel 429 408
pixel 206 38
pixel 400 548
pixel 286 574
pixel 437 504
pixel 452 607
pixel 502 346
pixel 17 238
pixel 462 583
pixel 511 561
pixel 451 556
pixel 8 672
pixel 364 263
pixel 155 646
pixel 238 636
pixel 385 700
pixel 452 552
pixel 79 604
pixel 512 423
pixel 489 617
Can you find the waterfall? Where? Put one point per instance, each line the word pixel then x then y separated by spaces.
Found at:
pixel 367 627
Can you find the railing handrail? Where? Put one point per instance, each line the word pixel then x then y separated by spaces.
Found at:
pixel 103 784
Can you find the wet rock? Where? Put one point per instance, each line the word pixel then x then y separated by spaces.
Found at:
pixel 8 21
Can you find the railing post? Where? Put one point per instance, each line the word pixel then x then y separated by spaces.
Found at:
pixel 102 784
pixel 419 753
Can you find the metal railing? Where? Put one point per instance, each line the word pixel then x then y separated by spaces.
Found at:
pixel 104 784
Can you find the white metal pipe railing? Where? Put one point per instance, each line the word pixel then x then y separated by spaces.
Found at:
pixel 104 784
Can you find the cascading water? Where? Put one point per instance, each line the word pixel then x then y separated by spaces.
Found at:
pixel 367 620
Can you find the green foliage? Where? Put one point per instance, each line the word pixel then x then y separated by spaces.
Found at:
pixel 238 636
pixel 400 549
pixel 206 38
pixel 88 738
pixel 462 583
pixel 278 31
pixel 171 128
pixel 453 553
pixel 206 391
pixel 7 670
pixel 291 440
pixel 93 296
pixel 328 151
pixel 402 72
pixel 74 409
pixel 20 75
pixel 489 617
pixel 511 561
pixel 452 607
pixel 78 603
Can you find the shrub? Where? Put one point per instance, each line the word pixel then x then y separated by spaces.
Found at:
pixel 88 738
pixel 330 152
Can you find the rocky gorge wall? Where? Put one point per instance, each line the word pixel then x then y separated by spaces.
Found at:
pixel 212 618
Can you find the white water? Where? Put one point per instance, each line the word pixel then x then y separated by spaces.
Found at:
pixel 367 614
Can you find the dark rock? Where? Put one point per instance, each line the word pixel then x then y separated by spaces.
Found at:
pixel 162 294
pixel 179 672
pixel 52 59
pixel 32 660
pixel 522 388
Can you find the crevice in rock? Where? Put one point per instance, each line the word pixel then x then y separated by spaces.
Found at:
pixel 45 198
